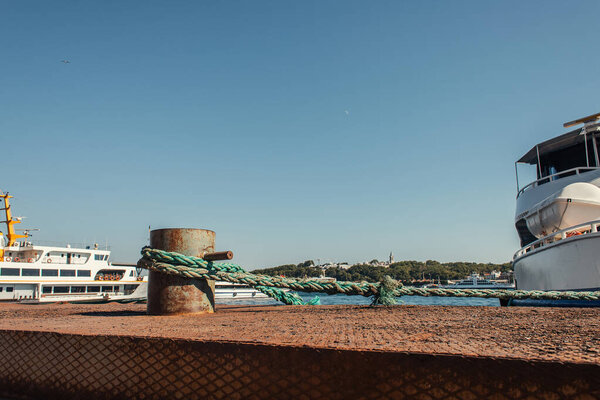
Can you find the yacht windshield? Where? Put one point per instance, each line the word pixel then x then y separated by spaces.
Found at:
pixel 568 158
pixel 566 155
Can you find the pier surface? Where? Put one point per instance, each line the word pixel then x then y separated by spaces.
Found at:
pixel 553 334
pixel 117 351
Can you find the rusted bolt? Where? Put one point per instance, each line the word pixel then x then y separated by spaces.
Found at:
pixel 218 255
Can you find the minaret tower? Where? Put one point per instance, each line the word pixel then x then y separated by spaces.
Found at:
pixel 391 258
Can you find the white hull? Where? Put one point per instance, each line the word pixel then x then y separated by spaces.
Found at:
pixel 226 290
pixel 24 294
pixel 574 204
pixel 241 293
pixel 27 293
pixel 569 264
pixel 21 290
pixel 527 200
pixel 138 295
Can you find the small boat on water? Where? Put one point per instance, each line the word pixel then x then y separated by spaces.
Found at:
pixel 236 291
pixel 474 281
pixel 38 273
pixel 558 215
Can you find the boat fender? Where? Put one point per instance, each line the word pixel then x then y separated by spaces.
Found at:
pixel 49 261
pixel 17 259
pixel 8 259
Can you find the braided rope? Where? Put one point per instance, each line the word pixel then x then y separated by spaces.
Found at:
pixel 200 269
pixel 383 293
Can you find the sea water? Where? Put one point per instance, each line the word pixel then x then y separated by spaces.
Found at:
pixel 360 300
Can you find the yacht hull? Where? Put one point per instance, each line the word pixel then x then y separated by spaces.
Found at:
pixel 574 204
pixel 569 264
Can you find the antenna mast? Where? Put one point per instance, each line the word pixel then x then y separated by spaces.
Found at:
pixel 11 235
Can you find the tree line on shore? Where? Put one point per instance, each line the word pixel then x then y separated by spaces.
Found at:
pixel 404 271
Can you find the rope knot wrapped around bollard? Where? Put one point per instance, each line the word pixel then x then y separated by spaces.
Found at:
pixel 383 293
pixel 198 268
pixel 387 292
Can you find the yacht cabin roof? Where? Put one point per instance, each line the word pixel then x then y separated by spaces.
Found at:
pixel 549 146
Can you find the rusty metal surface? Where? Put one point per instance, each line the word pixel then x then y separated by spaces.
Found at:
pixel 546 334
pixel 168 294
pixel 218 255
pixel 46 365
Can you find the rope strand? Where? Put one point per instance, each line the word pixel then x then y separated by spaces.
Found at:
pixel 383 293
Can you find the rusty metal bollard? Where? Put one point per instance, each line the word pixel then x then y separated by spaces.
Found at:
pixel 168 294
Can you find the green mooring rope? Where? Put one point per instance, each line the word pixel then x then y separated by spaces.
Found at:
pixel 383 293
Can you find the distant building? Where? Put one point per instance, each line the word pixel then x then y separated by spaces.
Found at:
pixel 343 265
pixel 391 258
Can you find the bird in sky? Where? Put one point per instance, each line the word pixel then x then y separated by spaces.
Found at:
pixel 65 61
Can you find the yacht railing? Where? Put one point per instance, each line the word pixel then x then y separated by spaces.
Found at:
pixel 573 231
pixel 558 175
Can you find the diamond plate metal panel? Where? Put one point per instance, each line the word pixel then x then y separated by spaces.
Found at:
pixel 51 365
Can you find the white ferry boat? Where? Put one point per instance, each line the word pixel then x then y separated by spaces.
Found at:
pixel 558 215
pixel 39 274
pixel 35 273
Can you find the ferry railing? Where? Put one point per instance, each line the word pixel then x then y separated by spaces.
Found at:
pixel 72 245
pixel 573 231
pixel 558 175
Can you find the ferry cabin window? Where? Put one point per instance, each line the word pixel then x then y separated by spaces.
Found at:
pixel 84 272
pixel 107 288
pixel 46 289
pixel 67 272
pixel 93 289
pixel 77 289
pixel 61 289
pixel 1 289
pixel 9 271
pixel 128 289
pixel 49 272
pixel 98 257
pixel 9 289
pixel 30 272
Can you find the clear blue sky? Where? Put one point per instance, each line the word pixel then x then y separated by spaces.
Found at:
pixel 331 130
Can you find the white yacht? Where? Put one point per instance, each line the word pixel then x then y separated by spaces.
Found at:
pixel 558 214
pixel 39 274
